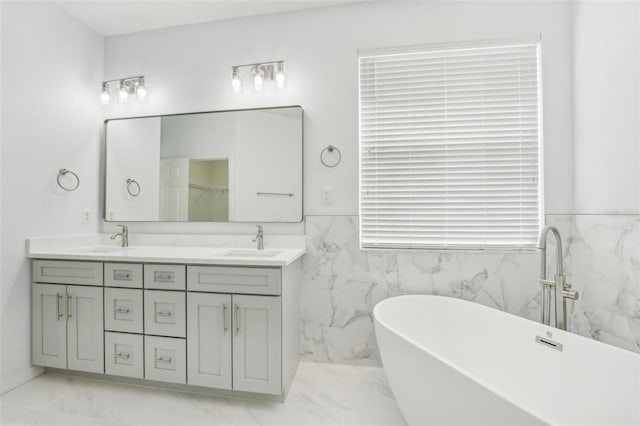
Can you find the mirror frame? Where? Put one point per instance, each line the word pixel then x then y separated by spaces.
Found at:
pixel 104 176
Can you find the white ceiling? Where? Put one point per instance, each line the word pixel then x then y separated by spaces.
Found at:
pixel 128 16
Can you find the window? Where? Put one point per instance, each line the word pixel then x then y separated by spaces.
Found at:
pixel 451 146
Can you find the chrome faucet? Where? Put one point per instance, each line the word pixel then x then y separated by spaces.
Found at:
pixel 259 238
pixel 124 234
pixel 562 288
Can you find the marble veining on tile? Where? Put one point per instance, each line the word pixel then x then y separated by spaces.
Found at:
pixel 342 283
pixel 321 394
pixel 603 256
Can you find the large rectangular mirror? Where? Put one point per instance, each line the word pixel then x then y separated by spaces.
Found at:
pixel 229 166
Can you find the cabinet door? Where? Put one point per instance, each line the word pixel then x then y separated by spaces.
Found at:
pixel 85 328
pixel 209 340
pixel 257 344
pixel 49 324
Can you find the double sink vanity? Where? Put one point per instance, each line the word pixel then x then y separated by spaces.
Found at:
pixel 171 311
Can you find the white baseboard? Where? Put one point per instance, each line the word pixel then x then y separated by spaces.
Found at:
pixel 20 379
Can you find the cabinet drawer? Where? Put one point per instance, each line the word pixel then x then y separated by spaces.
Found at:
pixel 123 275
pixel 164 277
pixel 164 313
pixel 67 272
pixel 123 310
pixel 223 279
pixel 165 359
pixel 124 354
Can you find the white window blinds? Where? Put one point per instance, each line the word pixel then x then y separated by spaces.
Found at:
pixel 450 147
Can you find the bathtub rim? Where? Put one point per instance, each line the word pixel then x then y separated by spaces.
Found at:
pixel 491 388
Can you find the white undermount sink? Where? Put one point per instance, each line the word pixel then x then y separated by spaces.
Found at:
pixel 106 249
pixel 252 253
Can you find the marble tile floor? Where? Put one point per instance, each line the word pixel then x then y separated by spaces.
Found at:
pixel 322 394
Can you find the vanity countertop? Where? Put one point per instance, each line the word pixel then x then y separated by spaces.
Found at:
pixel 96 249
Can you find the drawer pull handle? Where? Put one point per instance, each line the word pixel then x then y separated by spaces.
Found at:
pixel 123 310
pixel 123 355
pixel 165 277
pixel 164 313
pixel 167 360
pixel 58 312
pixel 224 318
pixel 236 319
pixel 69 297
pixel 122 276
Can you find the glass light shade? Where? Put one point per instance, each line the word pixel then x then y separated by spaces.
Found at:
pixel 236 84
pixel 280 75
pixel 141 91
pixel 104 96
pixel 123 94
pixel 258 79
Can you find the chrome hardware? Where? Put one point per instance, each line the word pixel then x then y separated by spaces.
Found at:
pixel 562 288
pixel 164 313
pixel 69 297
pixel 259 238
pixel 64 172
pixel 330 149
pixel 122 275
pixel 123 355
pixel 124 234
pixel 276 194
pixel 132 183
pixel 164 276
pixel 58 300
pixel 549 343
pixel 236 321
pixel 224 318
pixel 168 360
pixel 123 310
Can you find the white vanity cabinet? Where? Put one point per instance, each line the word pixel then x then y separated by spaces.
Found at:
pixel 67 320
pixel 203 327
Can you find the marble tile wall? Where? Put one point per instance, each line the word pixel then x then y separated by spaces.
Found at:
pixel 603 257
pixel 342 283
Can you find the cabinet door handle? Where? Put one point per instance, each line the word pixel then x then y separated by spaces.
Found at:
pixel 121 275
pixel 69 297
pixel 165 277
pixel 236 319
pixel 167 360
pixel 123 355
pixel 58 300
pixel 164 313
pixel 224 318
pixel 123 310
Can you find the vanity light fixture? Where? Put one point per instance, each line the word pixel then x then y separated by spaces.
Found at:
pixel 260 73
pixel 126 86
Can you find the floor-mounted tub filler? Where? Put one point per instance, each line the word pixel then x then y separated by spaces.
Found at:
pixel 454 362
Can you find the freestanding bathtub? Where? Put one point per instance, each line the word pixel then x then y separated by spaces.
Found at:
pixel 454 362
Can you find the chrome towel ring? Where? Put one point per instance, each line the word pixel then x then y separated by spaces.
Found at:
pixel 64 172
pixel 132 183
pixel 327 153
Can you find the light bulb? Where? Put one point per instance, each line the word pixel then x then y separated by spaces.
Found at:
pixel 104 96
pixel 235 80
pixel 141 90
pixel 258 79
pixel 280 75
pixel 123 94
